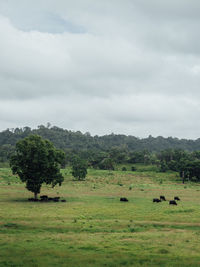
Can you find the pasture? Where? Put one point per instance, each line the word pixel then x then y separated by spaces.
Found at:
pixel 93 228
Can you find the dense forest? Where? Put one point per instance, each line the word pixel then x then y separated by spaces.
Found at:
pixel 66 139
pixel 104 152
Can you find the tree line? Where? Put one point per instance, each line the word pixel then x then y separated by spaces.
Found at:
pixel 86 145
pixel 104 152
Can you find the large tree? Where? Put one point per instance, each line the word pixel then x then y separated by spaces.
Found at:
pixel 37 161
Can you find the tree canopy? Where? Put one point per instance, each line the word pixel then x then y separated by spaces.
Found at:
pixel 79 168
pixel 37 161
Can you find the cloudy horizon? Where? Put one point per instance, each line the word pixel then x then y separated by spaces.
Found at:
pixel 128 67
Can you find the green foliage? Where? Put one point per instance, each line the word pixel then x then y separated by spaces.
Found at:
pixel 120 148
pixel 124 169
pixel 163 167
pixel 118 155
pixel 138 157
pixel 106 164
pixel 79 168
pixel 190 169
pixel 37 161
pixel 133 168
pixel 105 152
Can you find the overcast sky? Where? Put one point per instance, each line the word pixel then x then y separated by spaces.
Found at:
pixel 123 66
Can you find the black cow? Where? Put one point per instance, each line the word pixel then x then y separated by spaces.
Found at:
pixel 156 200
pixel 44 196
pixel 162 198
pixel 123 199
pixel 63 200
pixel 176 198
pixel 56 199
pixel 31 199
pixel 44 200
pixel 172 202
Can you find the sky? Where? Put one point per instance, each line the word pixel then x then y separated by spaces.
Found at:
pixel 111 66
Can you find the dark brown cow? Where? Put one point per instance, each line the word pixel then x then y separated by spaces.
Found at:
pixel 123 199
pixel 172 202
pixel 162 198
pixel 156 200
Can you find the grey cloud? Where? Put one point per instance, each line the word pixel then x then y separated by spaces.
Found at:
pixel 156 115
pixel 101 66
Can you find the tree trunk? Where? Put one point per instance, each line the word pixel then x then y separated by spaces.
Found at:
pixel 183 176
pixel 35 195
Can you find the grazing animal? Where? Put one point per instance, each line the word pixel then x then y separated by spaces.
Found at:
pixel 156 200
pixel 56 198
pixel 44 197
pixel 162 198
pixel 123 199
pixel 31 199
pixel 176 198
pixel 172 202
pixel 44 200
pixel 63 200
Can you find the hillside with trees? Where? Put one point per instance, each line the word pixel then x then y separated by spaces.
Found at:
pixel 104 152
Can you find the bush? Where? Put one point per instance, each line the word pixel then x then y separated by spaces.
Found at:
pixel 133 168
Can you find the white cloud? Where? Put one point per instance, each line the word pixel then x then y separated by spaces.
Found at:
pixel 101 66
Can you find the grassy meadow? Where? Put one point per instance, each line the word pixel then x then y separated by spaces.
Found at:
pixel 93 228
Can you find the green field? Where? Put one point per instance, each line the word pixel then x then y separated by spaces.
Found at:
pixel 93 228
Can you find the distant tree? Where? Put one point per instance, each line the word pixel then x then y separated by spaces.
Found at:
pixel 37 161
pixel 139 157
pixel 106 164
pixel 79 168
pixel 97 158
pixel 173 165
pixel 163 167
pixel 133 168
pixel 190 169
pixel 118 154
pixel 196 155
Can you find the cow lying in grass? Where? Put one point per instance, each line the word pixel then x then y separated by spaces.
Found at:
pixel 45 198
pixel 156 200
pixel 124 199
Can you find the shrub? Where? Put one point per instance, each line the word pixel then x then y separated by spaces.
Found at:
pixel 133 168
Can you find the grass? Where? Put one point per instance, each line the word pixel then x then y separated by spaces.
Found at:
pixel 93 228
